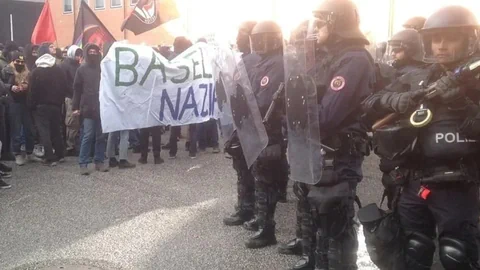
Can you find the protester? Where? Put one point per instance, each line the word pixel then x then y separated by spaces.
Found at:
pixel 16 76
pixel 86 104
pixel 72 123
pixel 48 89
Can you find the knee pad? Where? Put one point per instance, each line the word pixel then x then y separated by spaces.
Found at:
pixel 453 254
pixel 419 251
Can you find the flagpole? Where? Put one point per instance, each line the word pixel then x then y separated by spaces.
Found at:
pixel 83 23
pixel 11 26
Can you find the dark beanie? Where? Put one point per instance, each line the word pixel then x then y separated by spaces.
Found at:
pixel 44 49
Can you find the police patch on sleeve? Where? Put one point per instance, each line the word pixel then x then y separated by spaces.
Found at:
pixel 264 81
pixel 337 83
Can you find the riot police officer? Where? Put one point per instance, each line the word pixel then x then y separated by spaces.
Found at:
pixel 345 76
pixel 294 246
pixel 436 149
pixel 405 51
pixel 267 41
pixel 244 210
pixel 415 23
pixel 405 54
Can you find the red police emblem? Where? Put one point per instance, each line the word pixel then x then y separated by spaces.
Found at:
pixel 337 83
pixel 264 81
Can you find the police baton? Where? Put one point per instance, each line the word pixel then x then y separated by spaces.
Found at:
pixel 276 96
pixel 462 73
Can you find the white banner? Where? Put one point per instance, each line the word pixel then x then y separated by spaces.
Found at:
pixel 139 88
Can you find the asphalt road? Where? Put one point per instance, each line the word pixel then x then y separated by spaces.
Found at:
pixel 165 216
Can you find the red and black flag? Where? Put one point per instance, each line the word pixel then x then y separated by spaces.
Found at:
pixel 146 16
pixel 89 29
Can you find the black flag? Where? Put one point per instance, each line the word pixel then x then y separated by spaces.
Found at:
pixel 89 29
pixel 146 16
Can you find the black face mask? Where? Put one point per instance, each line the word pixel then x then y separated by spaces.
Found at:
pixel 93 59
pixel 19 68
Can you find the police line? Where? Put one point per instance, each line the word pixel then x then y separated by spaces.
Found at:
pixel 139 88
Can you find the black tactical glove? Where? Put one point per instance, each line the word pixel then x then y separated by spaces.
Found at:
pixel 471 127
pixel 401 102
pixel 448 88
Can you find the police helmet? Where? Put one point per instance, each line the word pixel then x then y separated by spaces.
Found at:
pixel 341 17
pixel 380 50
pixel 409 41
pixel 266 37
pixel 415 23
pixel 455 22
pixel 243 36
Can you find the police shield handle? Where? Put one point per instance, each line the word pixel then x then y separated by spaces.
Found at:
pixel 276 96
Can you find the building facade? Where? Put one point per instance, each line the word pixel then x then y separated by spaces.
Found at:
pixel 111 13
pixel 17 20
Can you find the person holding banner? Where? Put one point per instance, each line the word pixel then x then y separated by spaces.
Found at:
pixel 86 104
pixel 180 45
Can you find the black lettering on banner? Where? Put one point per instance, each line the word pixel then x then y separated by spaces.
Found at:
pixel 166 98
pixel 213 98
pixel 195 75
pixel 130 67
pixel 205 75
pixel 204 86
pixel 153 66
pixel 191 105
pixel 184 79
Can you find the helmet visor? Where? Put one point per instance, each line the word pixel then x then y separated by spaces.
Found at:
pixel 449 45
pixel 395 51
pixel 265 43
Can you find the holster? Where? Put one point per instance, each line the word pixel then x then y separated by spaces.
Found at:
pixel 465 170
pixel 271 152
pixel 350 144
pixel 233 148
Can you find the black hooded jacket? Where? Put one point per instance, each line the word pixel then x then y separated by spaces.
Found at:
pixel 47 83
pixel 86 87
pixel 10 46
pixel 29 58
pixel 70 66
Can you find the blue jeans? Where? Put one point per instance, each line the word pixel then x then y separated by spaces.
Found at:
pixel 92 133
pixel 20 118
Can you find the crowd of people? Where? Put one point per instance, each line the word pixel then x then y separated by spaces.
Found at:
pixel 50 109
pixel 419 98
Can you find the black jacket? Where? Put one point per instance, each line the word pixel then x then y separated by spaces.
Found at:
pixel 47 83
pixel 86 89
pixel 69 67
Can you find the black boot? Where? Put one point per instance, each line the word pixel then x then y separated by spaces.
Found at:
pixel 263 238
pixel 5 168
pixel 238 217
pixel 251 225
pixel 112 163
pixel 143 159
pixel 158 160
pixel 124 164
pixel 293 247
pixel 305 263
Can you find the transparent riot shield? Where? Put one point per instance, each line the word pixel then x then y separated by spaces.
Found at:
pixel 225 120
pixel 304 146
pixel 245 113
